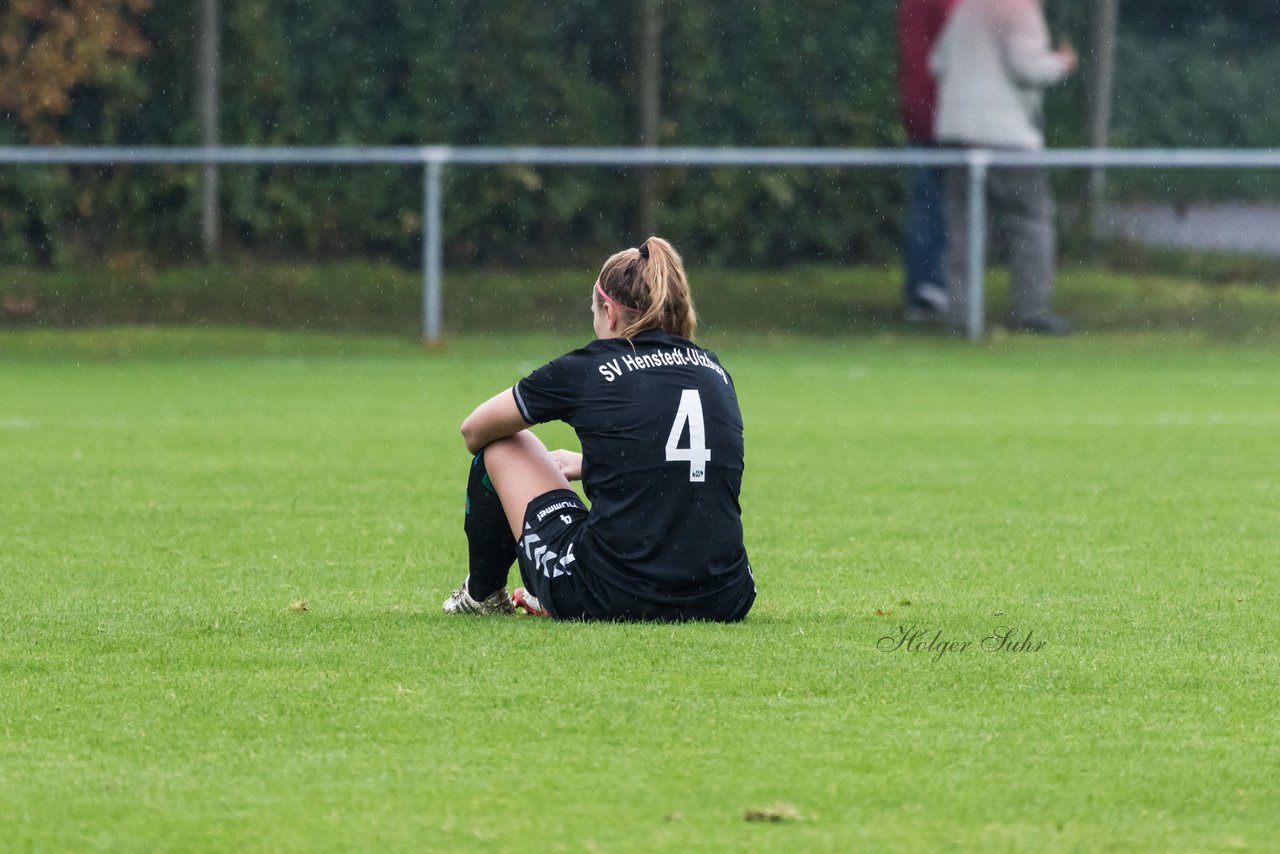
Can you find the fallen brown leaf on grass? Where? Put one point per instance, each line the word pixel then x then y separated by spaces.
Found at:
pixel 774 813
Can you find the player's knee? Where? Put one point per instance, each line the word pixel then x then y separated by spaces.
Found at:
pixel 520 444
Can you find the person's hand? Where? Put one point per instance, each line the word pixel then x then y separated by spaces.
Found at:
pixel 1067 54
pixel 570 463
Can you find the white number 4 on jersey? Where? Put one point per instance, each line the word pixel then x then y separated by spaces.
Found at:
pixel 697 455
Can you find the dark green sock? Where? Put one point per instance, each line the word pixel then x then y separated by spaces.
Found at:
pixel 491 548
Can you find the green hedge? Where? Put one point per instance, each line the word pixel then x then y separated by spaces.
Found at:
pixel 399 72
pixel 821 73
pixel 1229 297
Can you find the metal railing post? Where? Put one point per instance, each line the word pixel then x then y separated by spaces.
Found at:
pixel 432 254
pixel 977 248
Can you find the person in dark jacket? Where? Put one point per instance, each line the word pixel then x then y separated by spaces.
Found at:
pixel 924 234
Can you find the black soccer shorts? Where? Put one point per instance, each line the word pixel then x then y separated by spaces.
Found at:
pixel 545 553
pixel 553 524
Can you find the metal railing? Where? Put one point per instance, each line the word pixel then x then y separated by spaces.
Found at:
pixel 433 159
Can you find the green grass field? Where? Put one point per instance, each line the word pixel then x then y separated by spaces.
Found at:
pixel 170 498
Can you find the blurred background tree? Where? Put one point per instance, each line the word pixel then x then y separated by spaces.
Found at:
pixel 66 72
pixel 56 55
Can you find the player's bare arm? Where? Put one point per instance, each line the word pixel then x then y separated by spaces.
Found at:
pixel 496 418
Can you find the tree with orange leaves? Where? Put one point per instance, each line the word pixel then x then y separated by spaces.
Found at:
pixel 49 48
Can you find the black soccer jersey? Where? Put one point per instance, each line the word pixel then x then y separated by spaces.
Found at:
pixel 662 449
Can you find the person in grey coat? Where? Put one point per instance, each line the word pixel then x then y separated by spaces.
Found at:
pixel 992 62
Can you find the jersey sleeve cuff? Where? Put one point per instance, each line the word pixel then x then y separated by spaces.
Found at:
pixel 520 405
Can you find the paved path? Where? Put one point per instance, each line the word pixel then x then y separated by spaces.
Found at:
pixel 1247 227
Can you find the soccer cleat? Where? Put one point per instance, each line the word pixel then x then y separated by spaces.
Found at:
pixel 497 603
pixel 525 601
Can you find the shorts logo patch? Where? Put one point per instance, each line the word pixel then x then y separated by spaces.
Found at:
pixel 555 508
pixel 566 518
pixel 542 557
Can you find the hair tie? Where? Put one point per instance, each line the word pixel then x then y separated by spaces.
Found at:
pixel 644 250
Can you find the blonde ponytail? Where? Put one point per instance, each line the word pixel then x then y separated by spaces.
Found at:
pixel 651 288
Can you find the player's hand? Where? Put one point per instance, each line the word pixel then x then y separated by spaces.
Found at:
pixel 570 463
pixel 1067 53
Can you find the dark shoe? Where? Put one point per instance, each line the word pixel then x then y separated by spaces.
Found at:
pixel 931 296
pixel 1046 324
pixel 914 313
pixel 928 304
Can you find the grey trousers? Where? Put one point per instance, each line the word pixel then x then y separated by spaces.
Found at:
pixel 1020 205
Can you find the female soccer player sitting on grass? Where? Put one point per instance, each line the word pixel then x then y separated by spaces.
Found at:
pixel 661 462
